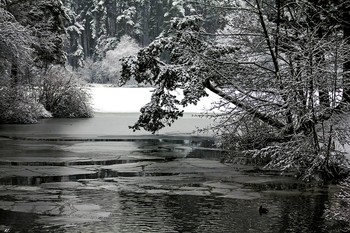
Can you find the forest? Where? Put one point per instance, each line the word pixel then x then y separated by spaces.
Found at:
pixel 281 68
pixel 96 28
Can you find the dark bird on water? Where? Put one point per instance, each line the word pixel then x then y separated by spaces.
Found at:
pixel 263 210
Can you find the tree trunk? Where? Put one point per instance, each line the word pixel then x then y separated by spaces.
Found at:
pixel 14 74
pixel 346 30
pixel 145 23
pixel 261 116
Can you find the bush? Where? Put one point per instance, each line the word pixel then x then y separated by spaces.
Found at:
pixel 108 69
pixel 17 106
pixel 64 94
pixel 298 153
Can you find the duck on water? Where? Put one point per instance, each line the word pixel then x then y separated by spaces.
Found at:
pixel 263 210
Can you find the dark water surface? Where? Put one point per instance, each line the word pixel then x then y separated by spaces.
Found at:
pixel 93 175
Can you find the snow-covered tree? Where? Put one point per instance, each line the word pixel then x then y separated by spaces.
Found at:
pixel 111 64
pixel 279 79
pixel 15 46
pixel 39 29
pixel 96 26
pixel 74 31
pixel 30 39
pixel 108 69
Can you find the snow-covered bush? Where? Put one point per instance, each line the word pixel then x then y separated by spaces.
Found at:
pixel 108 69
pixel 92 72
pixel 64 94
pixel 17 106
pixel 112 62
pixel 337 211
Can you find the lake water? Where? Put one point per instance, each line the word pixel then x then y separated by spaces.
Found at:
pixel 95 175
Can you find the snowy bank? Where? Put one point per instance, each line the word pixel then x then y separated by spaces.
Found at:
pixel 130 100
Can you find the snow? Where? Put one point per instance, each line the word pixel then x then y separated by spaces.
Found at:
pixel 130 100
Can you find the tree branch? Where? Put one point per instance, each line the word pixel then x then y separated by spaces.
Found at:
pixel 263 117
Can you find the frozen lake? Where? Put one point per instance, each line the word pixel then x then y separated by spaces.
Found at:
pixel 102 125
pixel 93 175
pixel 96 175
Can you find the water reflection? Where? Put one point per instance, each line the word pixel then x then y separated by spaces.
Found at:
pixel 11 222
pixel 149 213
pixel 292 214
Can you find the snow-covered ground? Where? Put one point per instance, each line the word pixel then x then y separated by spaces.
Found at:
pixel 129 100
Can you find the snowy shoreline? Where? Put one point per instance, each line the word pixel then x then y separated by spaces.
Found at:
pixel 109 99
